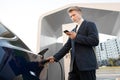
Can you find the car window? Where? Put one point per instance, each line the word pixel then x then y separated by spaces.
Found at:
pixel 10 37
pixel 5 33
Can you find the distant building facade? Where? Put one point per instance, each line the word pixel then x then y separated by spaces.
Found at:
pixel 109 49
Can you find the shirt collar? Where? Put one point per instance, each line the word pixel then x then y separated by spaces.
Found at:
pixel 79 24
pixel 80 21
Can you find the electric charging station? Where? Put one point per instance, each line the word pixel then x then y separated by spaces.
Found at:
pixel 50 29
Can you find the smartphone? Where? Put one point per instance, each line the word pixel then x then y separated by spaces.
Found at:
pixel 66 31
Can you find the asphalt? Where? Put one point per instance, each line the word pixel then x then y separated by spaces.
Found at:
pixel 108 73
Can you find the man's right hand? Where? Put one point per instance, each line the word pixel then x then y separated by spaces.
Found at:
pixel 51 59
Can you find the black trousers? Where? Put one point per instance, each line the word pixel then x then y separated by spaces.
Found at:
pixel 75 74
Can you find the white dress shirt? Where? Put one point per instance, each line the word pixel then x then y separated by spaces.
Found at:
pixel 79 24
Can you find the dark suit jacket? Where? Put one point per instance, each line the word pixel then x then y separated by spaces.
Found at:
pixel 82 47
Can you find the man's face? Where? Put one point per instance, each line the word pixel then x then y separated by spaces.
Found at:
pixel 75 16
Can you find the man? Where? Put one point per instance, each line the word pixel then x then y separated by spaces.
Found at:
pixel 81 42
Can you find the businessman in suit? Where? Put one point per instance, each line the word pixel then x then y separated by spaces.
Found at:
pixel 81 41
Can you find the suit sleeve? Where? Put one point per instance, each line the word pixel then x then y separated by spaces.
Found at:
pixel 63 51
pixel 91 39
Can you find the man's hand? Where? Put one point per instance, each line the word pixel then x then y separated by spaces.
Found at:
pixel 72 35
pixel 51 59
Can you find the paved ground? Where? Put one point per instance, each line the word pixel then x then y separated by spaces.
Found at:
pixel 108 73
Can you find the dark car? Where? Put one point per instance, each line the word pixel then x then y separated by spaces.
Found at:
pixel 16 59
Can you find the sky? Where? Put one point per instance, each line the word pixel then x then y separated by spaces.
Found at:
pixel 22 16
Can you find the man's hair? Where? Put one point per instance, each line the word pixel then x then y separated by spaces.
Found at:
pixel 74 8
